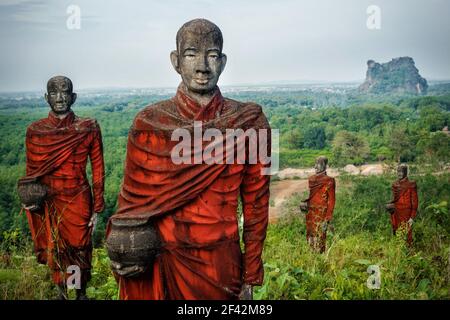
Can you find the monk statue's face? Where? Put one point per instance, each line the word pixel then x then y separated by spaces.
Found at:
pixel 402 172
pixel 199 60
pixel 59 95
pixel 321 165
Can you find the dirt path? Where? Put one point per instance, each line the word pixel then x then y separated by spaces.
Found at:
pixel 282 190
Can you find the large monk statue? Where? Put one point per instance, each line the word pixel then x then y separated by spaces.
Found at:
pixel 319 205
pixel 403 207
pixel 55 192
pixel 192 205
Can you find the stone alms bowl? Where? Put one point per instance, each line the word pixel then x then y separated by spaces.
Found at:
pixel 133 242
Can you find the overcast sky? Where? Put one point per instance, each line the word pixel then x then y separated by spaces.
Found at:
pixel 127 43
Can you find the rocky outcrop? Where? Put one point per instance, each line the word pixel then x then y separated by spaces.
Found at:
pixel 372 169
pixel 351 169
pixel 304 173
pixel 399 75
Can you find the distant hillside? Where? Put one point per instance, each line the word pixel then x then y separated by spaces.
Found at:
pixel 399 75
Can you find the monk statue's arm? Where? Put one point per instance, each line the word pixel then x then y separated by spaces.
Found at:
pixel 390 206
pixel 98 170
pixel 414 202
pixel 255 204
pixel 27 159
pixel 331 200
pixel 304 205
pixel 28 170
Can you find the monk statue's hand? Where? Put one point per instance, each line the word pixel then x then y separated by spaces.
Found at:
pixel 325 226
pixel 126 271
pixel 410 222
pixel 246 292
pixel 330 226
pixel 33 207
pixel 390 207
pixel 303 206
pixel 93 222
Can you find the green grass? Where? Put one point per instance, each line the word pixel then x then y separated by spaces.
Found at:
pixel 293 271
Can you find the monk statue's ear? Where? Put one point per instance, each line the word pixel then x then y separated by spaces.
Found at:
pixel 224 62
pixel 46 97
pixel 74 97
pixel 174 60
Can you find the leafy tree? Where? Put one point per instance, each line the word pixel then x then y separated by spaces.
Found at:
pixel 433 118
pixel 401 144
pixel 435 147
pixel 349 148
pixel 314 137
pixel 295 139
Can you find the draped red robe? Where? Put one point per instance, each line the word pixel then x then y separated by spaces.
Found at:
pixel 193 206
pixel 321 203
pixel 56 154
pixel 405 205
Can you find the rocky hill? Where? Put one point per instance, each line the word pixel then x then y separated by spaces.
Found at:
pixel 399 75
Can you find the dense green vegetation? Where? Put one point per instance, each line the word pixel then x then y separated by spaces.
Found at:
pixel 346 127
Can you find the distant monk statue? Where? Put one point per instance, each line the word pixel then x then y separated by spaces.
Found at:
pixel 403 208
pixel 319 205
pixel 55 192
pixel 191 206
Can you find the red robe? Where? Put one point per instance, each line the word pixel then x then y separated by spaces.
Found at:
pixel 57 151
pixel 406 204
pixel 193 206
pixel 321 203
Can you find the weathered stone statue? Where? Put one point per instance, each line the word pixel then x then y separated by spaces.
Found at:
pixel 319 205
pixel 403 207
pixel 55 192
pixel 191 205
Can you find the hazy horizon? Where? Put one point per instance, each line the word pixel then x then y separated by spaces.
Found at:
pixel 127 45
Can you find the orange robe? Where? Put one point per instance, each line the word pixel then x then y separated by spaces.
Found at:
pixel 57 151
pixel 321 203
pixel 406 204
pixel 193 206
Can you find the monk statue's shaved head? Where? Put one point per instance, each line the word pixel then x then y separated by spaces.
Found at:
pixel 202 28
pixel 322 159
pixel 199 58
pixel 60 95
pixel 321 164
pixel 59 81
pixel 402 170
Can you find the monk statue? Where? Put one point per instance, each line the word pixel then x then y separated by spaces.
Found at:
pixel 192 206
pixel 61 210
pixel 403 208
pixel 319 206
